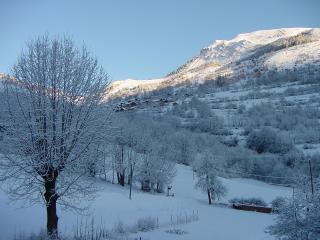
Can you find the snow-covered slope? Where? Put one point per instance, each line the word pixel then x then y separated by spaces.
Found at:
pixel 113 204
pixel 306 53
pixel 237 59
pixel 224 52
pixel 124 85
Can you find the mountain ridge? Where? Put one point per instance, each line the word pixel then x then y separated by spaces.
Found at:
pixel 236 58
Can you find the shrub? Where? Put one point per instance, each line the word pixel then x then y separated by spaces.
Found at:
pixel 146 224
pixel 315 163
pixel 231 142
pixel 291 158
pixel 249 201
pixel 176 231
pixel 241 108
pixel 267 140
pixel 120 229
pixel 278 204
pixel 230 105
pixel 42 235
pixel 87 230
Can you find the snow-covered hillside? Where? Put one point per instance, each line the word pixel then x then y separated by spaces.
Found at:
pixel 306 53
pixel 113 204
pixel 238 58
pixel 224 52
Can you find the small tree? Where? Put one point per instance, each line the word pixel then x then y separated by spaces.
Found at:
pixel 207 180
pixel 53 121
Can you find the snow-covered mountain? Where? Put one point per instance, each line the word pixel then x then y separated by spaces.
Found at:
pixel 242 57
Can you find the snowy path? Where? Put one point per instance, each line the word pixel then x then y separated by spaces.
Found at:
pixel 113 204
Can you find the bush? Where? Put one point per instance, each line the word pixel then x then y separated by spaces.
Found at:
pixel 315 164
pixel 298 217
pixel 267 140
pixel 120 229
pixel 264 164
pixel 241 108
pixel 42 235
pixel 176 231
pixel 249 201
pixel 240 159
pixel 87 230
pixel 278 204
pixel 292 158
pixel 146 224
pixel 307 146
pixel 213 125
pixel 230 105
pixel 283 173
pixel 231 142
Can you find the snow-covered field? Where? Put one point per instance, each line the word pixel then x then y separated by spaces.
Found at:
pixel 113 204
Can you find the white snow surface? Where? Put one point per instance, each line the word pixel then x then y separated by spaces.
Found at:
pixel 306 53
pixel 268 36
pixel 113 204
pixel 225 51
pixel 132 83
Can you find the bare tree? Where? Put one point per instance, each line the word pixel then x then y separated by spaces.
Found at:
pixel 54 118
pixel 123 147
pixel 207 179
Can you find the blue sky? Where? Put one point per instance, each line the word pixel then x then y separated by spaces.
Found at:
pixel 143 39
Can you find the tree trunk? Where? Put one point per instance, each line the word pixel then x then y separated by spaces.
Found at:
pixel 51 204
pixel 121 171
pixel 130 182
pixel 121 179
pixel 113 170
pixel 208 191
pixel 209 196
